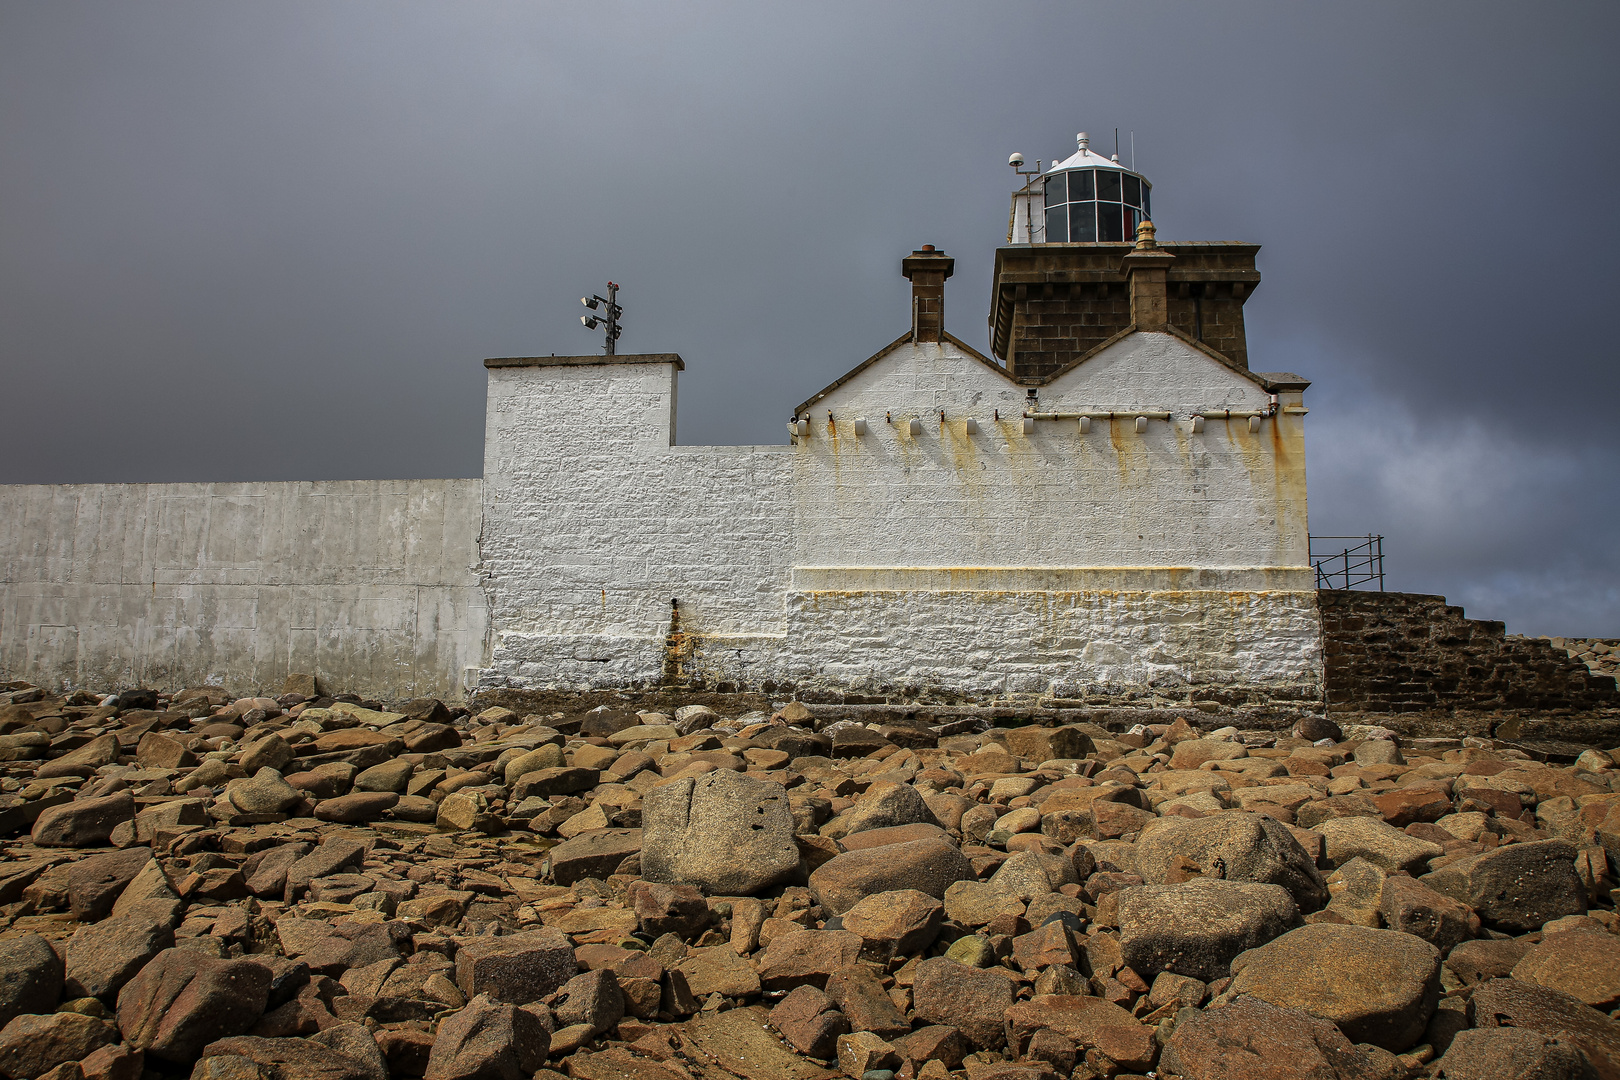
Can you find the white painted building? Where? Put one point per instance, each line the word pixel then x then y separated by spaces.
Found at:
pixel 1112 507
pixel 941 525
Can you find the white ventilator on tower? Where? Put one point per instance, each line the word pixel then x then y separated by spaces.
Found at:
pixel 1085 198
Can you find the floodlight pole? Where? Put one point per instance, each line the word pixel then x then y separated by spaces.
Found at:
pixel 610 305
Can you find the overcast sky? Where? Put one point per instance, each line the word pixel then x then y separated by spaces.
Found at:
pixel 272 241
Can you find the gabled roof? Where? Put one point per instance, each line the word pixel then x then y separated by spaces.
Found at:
pixel 968 350
pixel 1269 381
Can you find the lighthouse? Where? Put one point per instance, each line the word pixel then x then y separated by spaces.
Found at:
pixel 1067 282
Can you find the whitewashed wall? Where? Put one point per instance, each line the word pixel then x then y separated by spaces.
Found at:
pixel 947 563
pixel 373 585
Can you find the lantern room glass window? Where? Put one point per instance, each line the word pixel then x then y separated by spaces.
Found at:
pixel 1092 205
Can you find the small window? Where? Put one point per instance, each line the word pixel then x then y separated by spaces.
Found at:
pixel 1147 202
pixel 1133 190
pixel 1109 225
pixel 1057 224
pixel 1083 222
pixel 1081 186
pixel 1133 218
pixel 1056 190
pixel 1108 185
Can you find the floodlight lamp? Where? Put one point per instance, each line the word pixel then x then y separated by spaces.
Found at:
pixel 588 301
pixel 590 323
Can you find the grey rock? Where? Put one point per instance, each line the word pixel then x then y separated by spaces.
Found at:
pixel 265 792
pixel 1237 846
pixel 591 997
pixel 181 1001
pixel 1196 928
pixel 1381 844
pixel 723 832
pixel 1518 887
pixel 929 866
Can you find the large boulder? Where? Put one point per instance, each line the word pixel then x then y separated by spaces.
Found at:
pixel 31 1046
pixel 31 976
pixel 896 923
pixel 929 865
pixel 596 853
pixel 1413 908
pixel 488 1040
pixel 1379 986
pixel 183 1000
pixel 103 956
pixel 516 968
pixel 1236 845
pixel 972 1000
pixel 244 1056
pixel 723 832
pixel 1255 1040
pixel 882 806
pixel 1514 1004
pixel 1519 887
pixel 1086 1021
pixel 1506 1053
pixel 94 883
pixel 1381 844
pixel 1584 964
pixel 83 822
pixel 1196 928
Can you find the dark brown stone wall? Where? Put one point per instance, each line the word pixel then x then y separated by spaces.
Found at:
pixel 1407 652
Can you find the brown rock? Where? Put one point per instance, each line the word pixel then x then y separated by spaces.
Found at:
pixel 860 996
pixel 1089 1022
pixel 1476 961
pixel 1413 908
pixel 488 1040
pixel 83 822
pixel 593 854
pixel 102 957
pixel 808 1021
pixel 357 807
pixel 861 1052
pixel 668 909
pixel 1519 887
pixel 928 866
pixel 517 968
pixel 1406 805
pixel 1197 927
pixel 1379 986
pixel 896 923
pixel 972 1000
pixel 719 970
pixel 1254 1040
pixel 159 751
pixel 94 883
pixel 1584 964
pixel 592 998
pixel 1516 1004
pixel 32 1045
pixel 1237 846
pixel 722 832
pixel 182 1000
pixel 807 957
pixel 1511 1054
pixel 31 976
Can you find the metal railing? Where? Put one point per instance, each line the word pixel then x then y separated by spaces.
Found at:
pixel 1350 566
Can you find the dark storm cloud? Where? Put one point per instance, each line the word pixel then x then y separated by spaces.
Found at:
pixel 273 240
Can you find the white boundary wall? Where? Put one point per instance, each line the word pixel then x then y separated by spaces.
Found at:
pixel 973 565
pixel 373 585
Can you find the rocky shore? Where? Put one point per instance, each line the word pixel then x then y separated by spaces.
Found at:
pixel 311 887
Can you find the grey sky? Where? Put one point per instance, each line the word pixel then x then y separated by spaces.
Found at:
pixel 273 240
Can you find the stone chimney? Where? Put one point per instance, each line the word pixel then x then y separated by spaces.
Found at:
pixel 1147 268
pixel 927 270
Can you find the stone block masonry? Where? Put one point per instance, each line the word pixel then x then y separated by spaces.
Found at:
pixel 368 583
pixel 1407 652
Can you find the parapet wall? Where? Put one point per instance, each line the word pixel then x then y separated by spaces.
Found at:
pixel 1407 652
pixel 371 584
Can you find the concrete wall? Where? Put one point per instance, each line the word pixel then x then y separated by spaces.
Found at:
pixel 944 564
pixel 373 585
